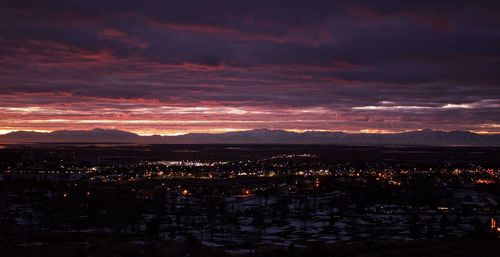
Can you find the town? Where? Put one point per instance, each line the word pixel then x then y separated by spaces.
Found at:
pixel 245 202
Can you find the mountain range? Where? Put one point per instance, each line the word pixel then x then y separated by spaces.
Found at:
pixel 260 136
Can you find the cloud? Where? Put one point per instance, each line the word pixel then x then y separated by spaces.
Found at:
pixel 389 106
pixel 319 65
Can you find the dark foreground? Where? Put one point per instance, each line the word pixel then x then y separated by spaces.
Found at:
pixel 484 246
pixel 244 200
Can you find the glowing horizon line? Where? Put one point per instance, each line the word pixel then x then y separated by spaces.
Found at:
pixel 226 130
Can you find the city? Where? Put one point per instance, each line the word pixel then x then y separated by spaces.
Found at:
pixel 257 198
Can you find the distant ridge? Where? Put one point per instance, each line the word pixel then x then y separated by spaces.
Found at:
pixel 260 136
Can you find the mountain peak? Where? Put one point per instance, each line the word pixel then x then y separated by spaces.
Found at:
pixel 261 130
pixel 260 136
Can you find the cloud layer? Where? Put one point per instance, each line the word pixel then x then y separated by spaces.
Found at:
pixel 182 66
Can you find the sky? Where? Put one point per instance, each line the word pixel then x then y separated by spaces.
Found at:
pixel 175 67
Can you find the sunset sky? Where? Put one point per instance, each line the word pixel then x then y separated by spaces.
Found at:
pixel 174 67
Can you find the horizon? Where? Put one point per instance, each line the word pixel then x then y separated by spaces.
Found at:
pixel 255 129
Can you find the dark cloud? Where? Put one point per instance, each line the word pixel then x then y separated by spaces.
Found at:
pixel 281 55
